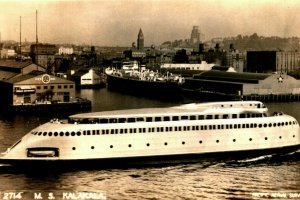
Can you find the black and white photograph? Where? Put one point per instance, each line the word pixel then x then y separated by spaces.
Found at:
pixel 149 99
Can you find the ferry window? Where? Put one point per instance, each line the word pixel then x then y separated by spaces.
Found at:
pixel 55 134
pixel 192 117
pixel 73 133
pixel 148 119
pixel 209 116
pixel 216 116
pixel 290 123
pixel 60 134
pixel 140 130
pixel 125 131
pixel 112 120
pixel 234 116
pixel 153 129
pixel 225 116
pixel 175 128
pixel 98 132
pixel 78 133
pixel 94 132
pixel 248 115
pixel 157 119
pixel 227 126
pixel 184 117
pixel 286 123
pixel 144 130
pixel 107 131
pixel 162 129
pixel 282 123
pixel 278 124
pixel 247 125
pixel 166 118
pixel 103 132
pixel 122 120
pixel 235 126
pixel 167 129
pixel 251 125
pixel 242 115
pixel 265 125
pixel 45 133
pixel 149 130
pixel 270 125
pixel 193 128
pixel 50 133
pixel 175 118
pixel 67 134
pixel 210 127
pixel 140 119
pixel 260 125
pixel 200 117
pixel 274 124
pixel 131 119
pixel 230 126
pixel 84 132
pixel 179 128
pixel 171 128
pixel 243 126
pixel 239 126
pixel 157 129
pixel 103 121
pixel 197 128
pixel 112 131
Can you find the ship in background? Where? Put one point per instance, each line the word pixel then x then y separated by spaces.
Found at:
pixel 136 80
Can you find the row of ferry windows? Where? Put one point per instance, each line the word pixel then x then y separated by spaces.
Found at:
pixel 165 118
pixel 163 129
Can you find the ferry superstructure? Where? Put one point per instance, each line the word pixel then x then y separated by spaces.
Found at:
pixel 186 131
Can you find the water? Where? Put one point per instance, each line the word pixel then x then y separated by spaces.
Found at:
pixel 263 177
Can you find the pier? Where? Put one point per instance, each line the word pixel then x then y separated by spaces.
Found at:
pixel 273 97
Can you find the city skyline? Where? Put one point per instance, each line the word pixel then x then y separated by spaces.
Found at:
pixel 117 23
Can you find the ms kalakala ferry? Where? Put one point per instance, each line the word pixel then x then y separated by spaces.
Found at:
pixel 159 134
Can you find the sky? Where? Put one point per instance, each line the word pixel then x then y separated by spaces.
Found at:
pixel 117 22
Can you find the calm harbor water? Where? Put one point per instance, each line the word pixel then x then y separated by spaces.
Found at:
pixel 263 177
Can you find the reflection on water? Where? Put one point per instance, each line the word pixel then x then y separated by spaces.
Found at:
pixel 203 180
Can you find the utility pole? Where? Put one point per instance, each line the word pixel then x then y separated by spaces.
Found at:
pixel 20 39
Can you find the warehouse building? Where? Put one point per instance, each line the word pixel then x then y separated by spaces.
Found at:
pixel 244 85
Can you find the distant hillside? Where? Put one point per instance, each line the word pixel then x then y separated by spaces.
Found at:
pixel 244 43
pixel 255 42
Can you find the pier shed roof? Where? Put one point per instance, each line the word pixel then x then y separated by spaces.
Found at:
pixel 215 75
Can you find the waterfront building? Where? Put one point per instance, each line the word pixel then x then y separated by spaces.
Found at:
pixel 195 35
pixel 90 79
pixel 272 61
pixel 242 84
pixel 44 55
pixel 36 87
pixel 11 68
pixel 236 60
pixel 140 40
pixel 65 50
pixel 7 53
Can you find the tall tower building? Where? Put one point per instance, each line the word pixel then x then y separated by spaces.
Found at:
pixel 140 40
pixel 195 35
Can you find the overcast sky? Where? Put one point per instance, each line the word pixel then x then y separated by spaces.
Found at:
pixel 117 22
